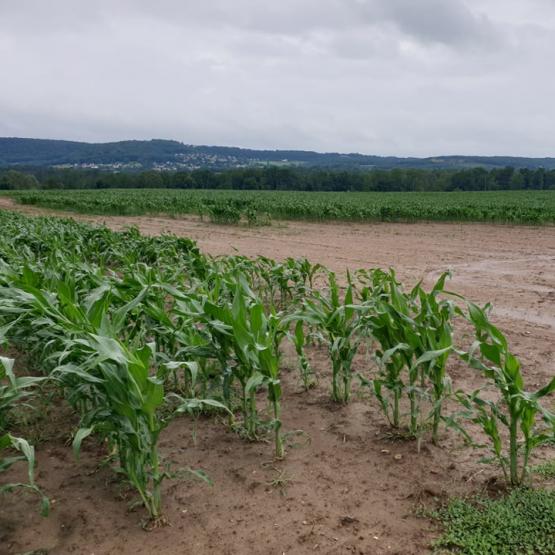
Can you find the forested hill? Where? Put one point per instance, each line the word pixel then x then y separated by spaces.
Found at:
pixel 173 155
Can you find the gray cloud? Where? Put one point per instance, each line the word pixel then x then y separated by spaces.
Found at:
pixel 451 22
pixel 377 76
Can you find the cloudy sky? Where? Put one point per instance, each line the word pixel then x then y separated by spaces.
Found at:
pixel 401 77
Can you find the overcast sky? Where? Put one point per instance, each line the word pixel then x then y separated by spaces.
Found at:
pixel 399 77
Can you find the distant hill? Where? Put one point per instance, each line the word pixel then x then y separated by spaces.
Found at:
pixel 173 155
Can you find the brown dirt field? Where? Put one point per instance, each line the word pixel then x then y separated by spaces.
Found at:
pixel 349 489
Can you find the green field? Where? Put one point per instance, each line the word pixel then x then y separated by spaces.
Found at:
pixel 257 207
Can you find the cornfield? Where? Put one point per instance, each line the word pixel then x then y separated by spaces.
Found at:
pixel 138 331
pixel 257 207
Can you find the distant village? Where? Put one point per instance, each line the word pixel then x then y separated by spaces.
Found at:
pixel 181 161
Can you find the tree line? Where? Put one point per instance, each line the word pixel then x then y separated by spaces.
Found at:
pixel 279 178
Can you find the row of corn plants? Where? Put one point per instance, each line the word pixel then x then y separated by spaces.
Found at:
pixel 256 207
pixel 112 329
pixel 410 336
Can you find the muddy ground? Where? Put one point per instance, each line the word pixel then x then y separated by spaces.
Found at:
pixel 345 486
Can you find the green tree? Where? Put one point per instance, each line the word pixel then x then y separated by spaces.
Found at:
pixel 14 180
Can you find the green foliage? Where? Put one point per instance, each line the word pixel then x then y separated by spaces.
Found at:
pixel 14 180
pixel 248 338
pixel 227 206
pixel 13 390
pixel 337 321
pixel 256 218
pixel 547 469
pixel 224 214
pixel 522 522
pixel 7 441
pixel 517 410
pixel 299 340
pixel 137 330
pixel 122 403
pixel 92 329
pixel 413 334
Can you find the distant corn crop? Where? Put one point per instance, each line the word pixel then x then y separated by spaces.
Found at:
pixel 256 207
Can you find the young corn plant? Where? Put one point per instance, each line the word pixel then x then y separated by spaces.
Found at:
pixel 251 337
pixel 204 331
pixel 126 401
pixel 414 339
pixel 388 385
pixel 518 411
pixel 13 390
pixel 18 444
pixel 299 340
pixel 123 399
pixel 435 334
pixel 274 280
pixel 302 274
pixel 385 317
pixel 269 332
pixel 258 336
pixel 338 322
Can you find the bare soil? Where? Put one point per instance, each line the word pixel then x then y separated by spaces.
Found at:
pixel 344 486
